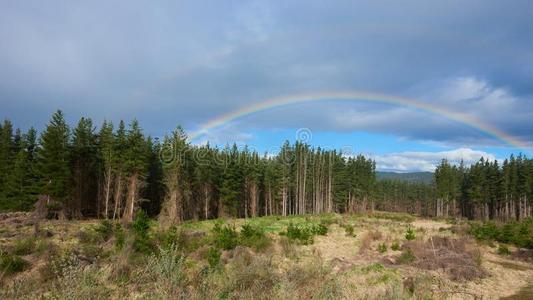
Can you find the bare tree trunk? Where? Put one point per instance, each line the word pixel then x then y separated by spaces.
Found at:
pixel 118 196
pixel 107 192
pixel 172 208
pixel 131 199
pixel 253 202
pixel 284 201
pixel 206 195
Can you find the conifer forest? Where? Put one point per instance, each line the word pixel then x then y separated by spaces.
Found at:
pixel 111 171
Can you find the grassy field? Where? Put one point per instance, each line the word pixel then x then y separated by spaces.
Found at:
pixel 330 256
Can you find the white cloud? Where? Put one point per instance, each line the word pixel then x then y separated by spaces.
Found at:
pixel 426 161
pixel 222 135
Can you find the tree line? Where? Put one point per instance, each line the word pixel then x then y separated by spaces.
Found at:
pixel 113 171
pixel 486 189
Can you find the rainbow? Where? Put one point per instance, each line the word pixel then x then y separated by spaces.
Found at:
pixel 364 97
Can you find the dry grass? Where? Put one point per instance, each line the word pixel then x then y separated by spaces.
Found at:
pixel 336 266
pixel 459 258
pixel 368 238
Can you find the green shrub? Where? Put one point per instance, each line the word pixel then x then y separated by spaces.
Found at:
pixel 410 234
pixel 225 237
pixel 406 257
pixel 170 237
pixel 57 265
pixel 89 236
pixel 141 228
pixel 375 267
pixel 24 246
pixel 382 248
pixel 349 229
pixel 254 237
pixel 213 257
pixel 299 234
pixel 120 237
pixel 503 250
pixel 92 251
pixel 11 264
pixel 320 229
pixel 519 233
pixel 105 229
pixel 395 246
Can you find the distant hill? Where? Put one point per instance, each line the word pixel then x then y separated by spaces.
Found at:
pixel 425 177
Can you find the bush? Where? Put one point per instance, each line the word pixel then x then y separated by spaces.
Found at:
pixel 120 237
pixel 89 236
pixel 320 229
pixel 349 229
pixel 382 248
pixel 58 265
pixel 410 234
pixel 169 237
pixel 105 229
pixel 503 250
pixel 141 227
pixel 225 237
pixel 406 257
pixel 395 246
pixel 375 267
pixel 299 234
pixel 11 264
pixel 25 246
pixel 519 233
pixel 213 257
pixel 254 237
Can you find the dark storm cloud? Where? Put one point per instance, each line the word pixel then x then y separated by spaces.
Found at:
pixel 188 61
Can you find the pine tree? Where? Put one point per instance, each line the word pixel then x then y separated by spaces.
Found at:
pixel 53 158
pixel 21 190
pixel 83 161
pixel 6 158
pixel 136 164
pixel 173 148
pixel 118 163
pixel 106 155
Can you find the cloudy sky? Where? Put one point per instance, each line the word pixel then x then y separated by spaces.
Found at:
pixel 188 62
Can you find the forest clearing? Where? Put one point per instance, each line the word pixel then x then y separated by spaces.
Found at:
pixel 328 256
pixel 266 150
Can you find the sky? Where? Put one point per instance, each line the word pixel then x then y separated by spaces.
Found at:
pixel 169 63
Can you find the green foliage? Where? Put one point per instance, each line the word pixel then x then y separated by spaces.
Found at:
pixel 120 236
pixel 300 234
pixel 519 233
pixel 406 257
pixel 319 229
pixel 213 257
pixel 350 230
pixel 53 158
pixel 141 227
pixel 375 267
pixel 11 264
pixel 503 250
pixel 89 236
pixel 254 237
pixel 395 246
pixel 382 248
pixel 225 237
pixel 105 229
pixel 410 234
pixel 24 246
pixel 170 237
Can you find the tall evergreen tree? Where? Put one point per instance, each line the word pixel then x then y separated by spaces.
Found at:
pixel 53 157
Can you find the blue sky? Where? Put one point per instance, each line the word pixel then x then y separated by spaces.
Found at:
pixel 187 62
